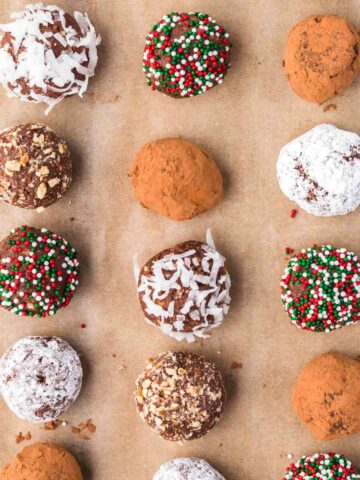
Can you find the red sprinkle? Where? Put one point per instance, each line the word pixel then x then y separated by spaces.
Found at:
pixel 83 325
pixel 289 251
pixel 293 213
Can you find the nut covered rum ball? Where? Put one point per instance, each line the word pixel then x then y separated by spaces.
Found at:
pixel 176 178
pixel 181 396
pixel 39 272
pixel 35 166
pixel 42 461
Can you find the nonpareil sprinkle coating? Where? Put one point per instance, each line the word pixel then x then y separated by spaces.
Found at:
pixel 320 288
pixel 186 54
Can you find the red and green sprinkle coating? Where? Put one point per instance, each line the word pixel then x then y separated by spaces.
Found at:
pixel 320 288
pixel 325 466
pixel 38 272
pixel 186 54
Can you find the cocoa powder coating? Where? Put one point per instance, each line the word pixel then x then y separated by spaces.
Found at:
pixel 176 178
pixel 326 396
pixel 42 461
pixel 322 57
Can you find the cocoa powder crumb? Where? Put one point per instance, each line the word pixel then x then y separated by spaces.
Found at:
pixel 84 430
pixel 236 365
pixel 329 107
pixel 21 438
pixel 53 425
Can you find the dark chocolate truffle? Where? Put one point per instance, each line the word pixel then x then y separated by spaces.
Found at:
pixel 186 54
pixel 46 54
pixel 185 290
pixel 40 377
pixel 35 166
pixel 181 396
pixel 38 272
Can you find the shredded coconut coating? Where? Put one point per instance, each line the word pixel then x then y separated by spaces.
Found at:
pixel 320 171
pixel 187 469
pixel 40 377
pixel 185 290
pixel 46 54
pixel 181 396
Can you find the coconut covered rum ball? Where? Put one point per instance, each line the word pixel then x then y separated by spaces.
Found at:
pixel 47 54
pixel 185 290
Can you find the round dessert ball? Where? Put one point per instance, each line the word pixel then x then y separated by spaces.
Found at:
pixel 322 57
pixel 186 54
pixel 320 171
pixel 40 378
pixel 326 396
pixel 46 54
pixel 42 461
pixel 181 396
pixel 322 466
pixel 187 469
pixel 176 178
pixel 320 288
pixel 184 290
pixel 35 166
pixel 38 272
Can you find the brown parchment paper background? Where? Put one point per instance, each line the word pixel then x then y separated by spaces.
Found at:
pixel 243 124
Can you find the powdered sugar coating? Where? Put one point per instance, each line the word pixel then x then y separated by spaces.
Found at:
pixel 40 377
pixel 46 54
pixel 187 469
pixel 185 290
pixel 320 171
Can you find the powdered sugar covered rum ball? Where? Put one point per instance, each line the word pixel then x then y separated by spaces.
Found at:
pixel 187 468
pixel 320 171
pixel 184 290
pixel 40 377
pixel 46 54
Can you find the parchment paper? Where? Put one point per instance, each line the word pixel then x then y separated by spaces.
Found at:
pixel 242 124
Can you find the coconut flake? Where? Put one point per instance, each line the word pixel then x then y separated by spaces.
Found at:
pixel 28 59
